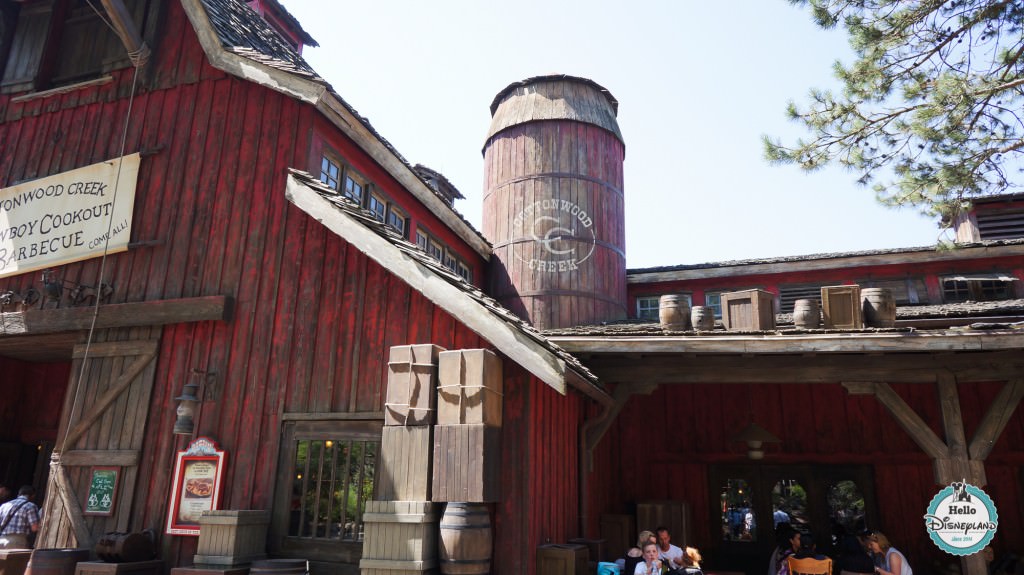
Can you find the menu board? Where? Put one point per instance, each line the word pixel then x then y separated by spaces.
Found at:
pixel 196 488
pixel 102 491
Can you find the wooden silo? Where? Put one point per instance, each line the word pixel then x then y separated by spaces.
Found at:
pixel 553 202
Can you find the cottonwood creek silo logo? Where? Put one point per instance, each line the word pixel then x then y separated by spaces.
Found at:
pixel 563 230
pixel 961 519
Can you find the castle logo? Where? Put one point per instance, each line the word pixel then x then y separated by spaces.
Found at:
pixel 561 232
pixel 961 519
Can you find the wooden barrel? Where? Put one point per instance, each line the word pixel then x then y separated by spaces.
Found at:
pixel 554 202
pixel 879 307
pixel 702 318
pixel 55 561
pixel 465 539
pixel 279 567
pixel 674 312
pixel 806 314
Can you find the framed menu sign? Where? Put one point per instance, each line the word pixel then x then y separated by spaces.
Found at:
pixel 198 473
pixel 102 491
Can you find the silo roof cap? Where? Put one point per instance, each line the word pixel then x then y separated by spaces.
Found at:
pixel 553 78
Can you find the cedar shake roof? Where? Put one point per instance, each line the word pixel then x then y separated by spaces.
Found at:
pixel 411 250
pixel 967 315
pixel 823 256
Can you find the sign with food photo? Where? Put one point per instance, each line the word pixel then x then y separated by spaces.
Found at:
pixel 198 473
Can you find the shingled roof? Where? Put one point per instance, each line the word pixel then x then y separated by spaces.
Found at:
pixel 523 331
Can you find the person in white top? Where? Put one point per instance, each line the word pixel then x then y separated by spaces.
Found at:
pixel 672 555
pixel 651 565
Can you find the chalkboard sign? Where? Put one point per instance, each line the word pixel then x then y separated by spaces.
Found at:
pixel 102 491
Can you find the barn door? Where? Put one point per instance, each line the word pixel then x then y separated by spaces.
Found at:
pixel 103 424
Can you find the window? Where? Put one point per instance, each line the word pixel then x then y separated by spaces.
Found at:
pixel 738 520
pixel 435 250
pixel 61 42
pixel 647 307
pixel 376 205
pixel 330 173
pixel 713 300
pixel 465 272
pixel 978 287
pixel 397 220
pixel 908 291
pixel 422 240
pixel 450 261
pixel 327 473
pixel 353 187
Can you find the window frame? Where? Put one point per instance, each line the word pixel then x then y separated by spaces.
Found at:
pixel 374 201
pixel 397 214
pixel 295 428
pixel 332 161
pixel 978 287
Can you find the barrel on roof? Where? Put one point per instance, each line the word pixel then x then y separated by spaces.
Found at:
pixel 553 202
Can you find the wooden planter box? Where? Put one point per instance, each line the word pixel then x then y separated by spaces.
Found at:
pixel 841 307
pixel 748 310
pixel 412 379
pixel 467 463
pixel 401 537
pixel 14 561
pixel 405 463
pixel 470 388
pixel 231 537
pixel 153 567
pixel 558 559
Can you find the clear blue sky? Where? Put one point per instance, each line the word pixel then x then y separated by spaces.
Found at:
pixel 697 82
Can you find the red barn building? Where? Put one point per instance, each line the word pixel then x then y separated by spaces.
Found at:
pixel 202 239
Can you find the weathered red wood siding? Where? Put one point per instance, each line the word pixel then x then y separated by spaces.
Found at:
pixel 662 445
pixel 313 317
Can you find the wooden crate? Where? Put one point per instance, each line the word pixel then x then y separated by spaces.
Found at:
pixel 230 537
pixel 153 567
pixel 406 456
pixel 618 533
pixel 467 463
pixel 400 537
pixel 841 307
pixel 469 387
pixel 748 310
pixel 675 515
pixel 412 381
pixel 562 559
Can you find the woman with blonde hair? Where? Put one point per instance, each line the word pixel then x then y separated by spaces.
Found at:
pixel 892 561
pixel 628 562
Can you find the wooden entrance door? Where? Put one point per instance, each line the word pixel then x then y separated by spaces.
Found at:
pixel 748 500
pixel 103 423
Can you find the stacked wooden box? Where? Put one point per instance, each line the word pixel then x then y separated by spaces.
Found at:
pixel 467 438
pixel 748 310
pixel 229 538
pixel 401 526
pixel 841 307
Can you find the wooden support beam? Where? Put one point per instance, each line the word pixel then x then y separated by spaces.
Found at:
pixel 996 418
pixel 162 312
pixel 71 507
pixel 117 457
pixel 911 422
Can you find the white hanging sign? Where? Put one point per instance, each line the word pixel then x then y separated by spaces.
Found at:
pixel 67 217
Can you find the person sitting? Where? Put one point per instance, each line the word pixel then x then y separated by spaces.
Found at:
pixel 691 561
pixel 788 544
pixel 671 554
pixel 634 555
pixel 808 549
pixel 650 565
